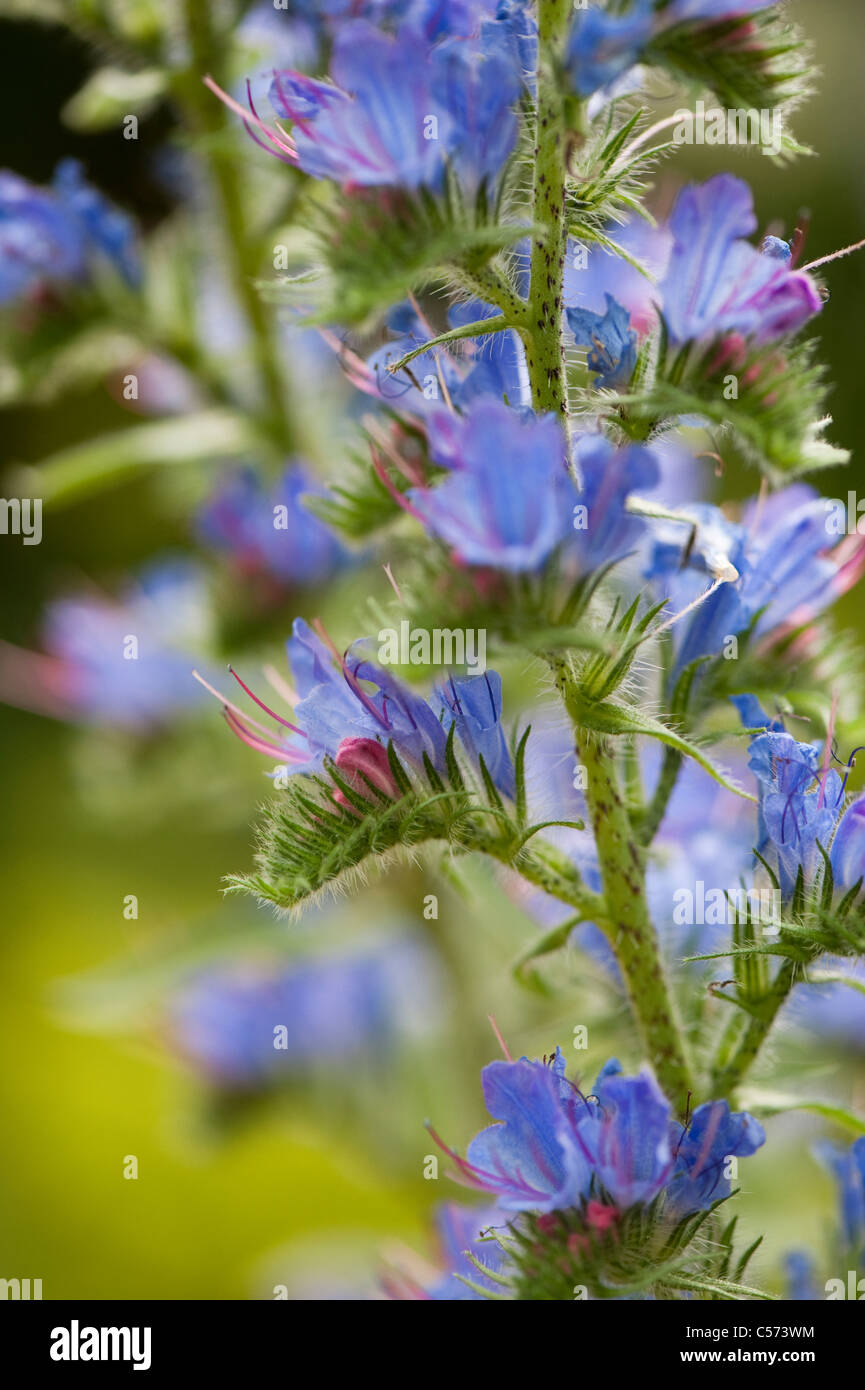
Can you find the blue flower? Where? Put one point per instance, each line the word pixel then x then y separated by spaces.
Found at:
pixel 801 1285
pixel 611 341
pixel 798 805
pixel 606 531
pixel 788 569
pixel 125 662
pixel 553 1147
pixel 717 282
pixel 713 1137
pixel 225 1019
pixel 848 1168
pixel 474 705
pixel 593 274
pixel 57 234
pixel 459 1231
pixel 493 365
pixel 603 46
pixel 107 231
pixel 402 109
pixel 627 1136
pixel 342 704
pixel 848 846
pixel 335 704
pixel 270 533
pixel 508 496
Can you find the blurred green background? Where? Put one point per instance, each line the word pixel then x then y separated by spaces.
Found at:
pixel 228 1207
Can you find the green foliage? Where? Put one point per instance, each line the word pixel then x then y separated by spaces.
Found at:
pixel 757 62
pixel 565 1256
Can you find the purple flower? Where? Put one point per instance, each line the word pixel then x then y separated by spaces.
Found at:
pixel 508 497
pixel 246 1025
pixel 402 109
pixel 611 341
pixel 270 533
pixel 717 282
pixel 57 234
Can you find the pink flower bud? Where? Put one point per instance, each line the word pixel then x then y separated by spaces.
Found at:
pixel 361 761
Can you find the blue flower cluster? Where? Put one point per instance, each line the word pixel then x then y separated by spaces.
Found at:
pixel 57 235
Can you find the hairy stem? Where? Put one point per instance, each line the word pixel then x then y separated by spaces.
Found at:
pixel 542 334
pixel 209 119
pixel 629 927
pixel 726 1075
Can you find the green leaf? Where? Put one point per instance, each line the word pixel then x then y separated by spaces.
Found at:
pixel 607 717
pixel 109 459
pixel 110 94
pixel 765 1102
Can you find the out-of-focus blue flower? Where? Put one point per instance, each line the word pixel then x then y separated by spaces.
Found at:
pixel 717 282
pixel 493 365
pixel 603 46
pixel 554 1147
pixel 848 846
pixel 508 498
pixel 271 532
pixel 848 1168
pixel 800 1274
pixel 589 285
pixel 129 663
pixel 789 569
pixel 611 341
pixel 402 109
pixel 58 233
pixel 249 1025
pixel 459 1231
pixel 107 231
pixel 605 530
pixel 474 705
pixel 713 1136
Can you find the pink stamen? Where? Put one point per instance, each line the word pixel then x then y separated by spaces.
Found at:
pixel 350 677
pixel 278 717
pixel 827 750
pixel 282 144
pixel 499 1039
pixel 228 704
pixel 391 488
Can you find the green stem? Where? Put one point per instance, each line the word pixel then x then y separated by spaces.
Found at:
pixel 543 332
pixel 243 252
pixel 629 929
pixel 726 1076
